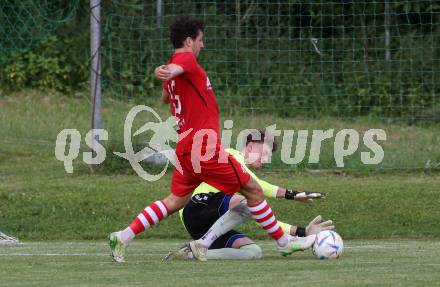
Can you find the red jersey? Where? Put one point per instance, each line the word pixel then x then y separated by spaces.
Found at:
pixel 192 102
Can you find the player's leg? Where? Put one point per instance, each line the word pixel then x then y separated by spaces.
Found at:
pixel 263 214
pixel 222 213
pixel 204 210
pixel 234 245
pixel 231 244
pixel 181 188
pixel 149 217
pixel 152 215
pixel 237 213
pixel 232 212
pixel 261 211
pixel 230 177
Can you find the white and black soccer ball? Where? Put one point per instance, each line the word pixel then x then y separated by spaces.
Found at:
pixel 328 245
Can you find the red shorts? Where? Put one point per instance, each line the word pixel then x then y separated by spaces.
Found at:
pixel 228 177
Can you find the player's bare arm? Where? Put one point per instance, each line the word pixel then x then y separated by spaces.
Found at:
pixel 167 72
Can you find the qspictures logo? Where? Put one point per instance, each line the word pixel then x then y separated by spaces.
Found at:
pixel 345 143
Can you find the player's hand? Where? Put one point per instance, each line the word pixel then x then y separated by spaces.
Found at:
pixel 316 225
pixel 304 196
pixel 162 73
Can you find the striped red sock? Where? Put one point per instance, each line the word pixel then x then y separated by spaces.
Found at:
pixel 266 219
pixel 149 217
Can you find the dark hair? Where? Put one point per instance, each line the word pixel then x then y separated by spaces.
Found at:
pixel 184 27
pixel 262 139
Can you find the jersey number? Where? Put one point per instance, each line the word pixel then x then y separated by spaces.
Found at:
pixel 174 98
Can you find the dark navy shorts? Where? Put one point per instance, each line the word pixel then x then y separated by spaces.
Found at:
pixel 202 212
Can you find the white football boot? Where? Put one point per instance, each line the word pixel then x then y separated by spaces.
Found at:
pixel 196 250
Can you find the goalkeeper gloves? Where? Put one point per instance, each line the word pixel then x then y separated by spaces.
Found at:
pixel 303 195
pixel 316 225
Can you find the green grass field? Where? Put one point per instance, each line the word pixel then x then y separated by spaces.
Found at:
pixel 388 218
pixel 364 263
pixel 39 201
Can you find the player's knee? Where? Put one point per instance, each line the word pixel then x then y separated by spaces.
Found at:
pixel 254 251
pixel 241 208
pixel 174 203
pixel 257 192
pixel 254 190
pixel 171 206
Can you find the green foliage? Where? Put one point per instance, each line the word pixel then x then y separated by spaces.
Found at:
pixel 287 57
pixel 49 66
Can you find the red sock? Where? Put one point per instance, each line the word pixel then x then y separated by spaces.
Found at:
pixel 149 217
pixel 266 219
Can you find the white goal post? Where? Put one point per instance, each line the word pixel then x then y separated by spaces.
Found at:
pixel 8 240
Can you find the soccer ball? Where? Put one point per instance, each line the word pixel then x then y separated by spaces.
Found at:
pixel 328 245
